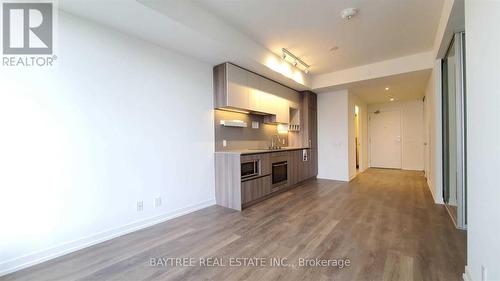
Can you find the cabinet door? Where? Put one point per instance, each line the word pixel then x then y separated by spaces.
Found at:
pixel 266 103
pixel 237 87
pixel 267 98
pixel 292 168
pixel 282 111
pixel 307 165
pixel 299 166
pixel 309 118
pixel 254 92
pixel 304 166
pixel 265 164
pixel 313 162
pixel 313 128
pixel 254 189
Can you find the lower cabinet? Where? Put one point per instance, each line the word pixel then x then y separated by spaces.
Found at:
pixel 254 189
pixel 313 162
pixel 302 165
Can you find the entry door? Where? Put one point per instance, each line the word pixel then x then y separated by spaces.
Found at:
pixel 385 139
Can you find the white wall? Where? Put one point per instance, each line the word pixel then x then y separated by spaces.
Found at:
pixel 482 19
pixel 333 157
pixel 412 129
pixel 117 120
pixel 433 134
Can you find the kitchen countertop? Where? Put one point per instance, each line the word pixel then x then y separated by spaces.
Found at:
pixel 258 151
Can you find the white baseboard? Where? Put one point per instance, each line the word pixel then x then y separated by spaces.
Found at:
pixel 66 248
pixel 467 276
pixel 430 186
pixel 333 179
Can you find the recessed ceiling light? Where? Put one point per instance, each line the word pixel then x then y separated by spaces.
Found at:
pixel 387 88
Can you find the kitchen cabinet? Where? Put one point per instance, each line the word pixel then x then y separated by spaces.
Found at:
pixel 268 99
pixel 237 88
pixel 292 168
pixel 264 158
pixel 281 114
pixel 310 121
pixel 304 172
pixel 298 169
pixel 309 128
pixel 254 92
pixel 254 189
pixel 313 163
pixel 312 131
pixel 233 192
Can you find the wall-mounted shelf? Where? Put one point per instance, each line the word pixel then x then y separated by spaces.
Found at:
pixel 294 125
pixel 233 123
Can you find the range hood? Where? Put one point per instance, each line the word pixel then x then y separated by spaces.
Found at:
pixel 233 123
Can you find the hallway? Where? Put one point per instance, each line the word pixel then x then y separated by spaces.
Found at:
pixel 384 222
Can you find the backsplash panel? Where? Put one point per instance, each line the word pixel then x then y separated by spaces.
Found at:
pixel 244 138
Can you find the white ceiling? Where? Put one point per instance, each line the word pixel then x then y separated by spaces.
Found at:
pixel 382 30
pixel 403 87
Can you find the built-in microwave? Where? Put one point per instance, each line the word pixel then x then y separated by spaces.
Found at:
pixel 250 169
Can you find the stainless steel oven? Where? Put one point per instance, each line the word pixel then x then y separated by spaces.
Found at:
pixel 250 169
pixel 279 173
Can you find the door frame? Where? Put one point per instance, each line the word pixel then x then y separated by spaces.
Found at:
pixel 458 43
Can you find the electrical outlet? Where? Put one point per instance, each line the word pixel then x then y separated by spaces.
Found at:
pixel 140 206
pixel 157 202
pixel 224 143
pixel 484 273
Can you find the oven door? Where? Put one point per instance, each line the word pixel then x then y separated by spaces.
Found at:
pixel 280 173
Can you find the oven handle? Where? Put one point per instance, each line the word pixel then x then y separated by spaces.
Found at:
pixel 281 164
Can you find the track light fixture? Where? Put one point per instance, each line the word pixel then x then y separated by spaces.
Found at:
pixel 296 60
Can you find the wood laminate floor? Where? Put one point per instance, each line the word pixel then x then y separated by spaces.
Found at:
pixel 384 222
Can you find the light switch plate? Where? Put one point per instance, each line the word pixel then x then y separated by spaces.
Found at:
pixel 255 125
pixel 224 143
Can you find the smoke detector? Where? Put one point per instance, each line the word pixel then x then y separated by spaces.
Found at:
pixel 349 13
